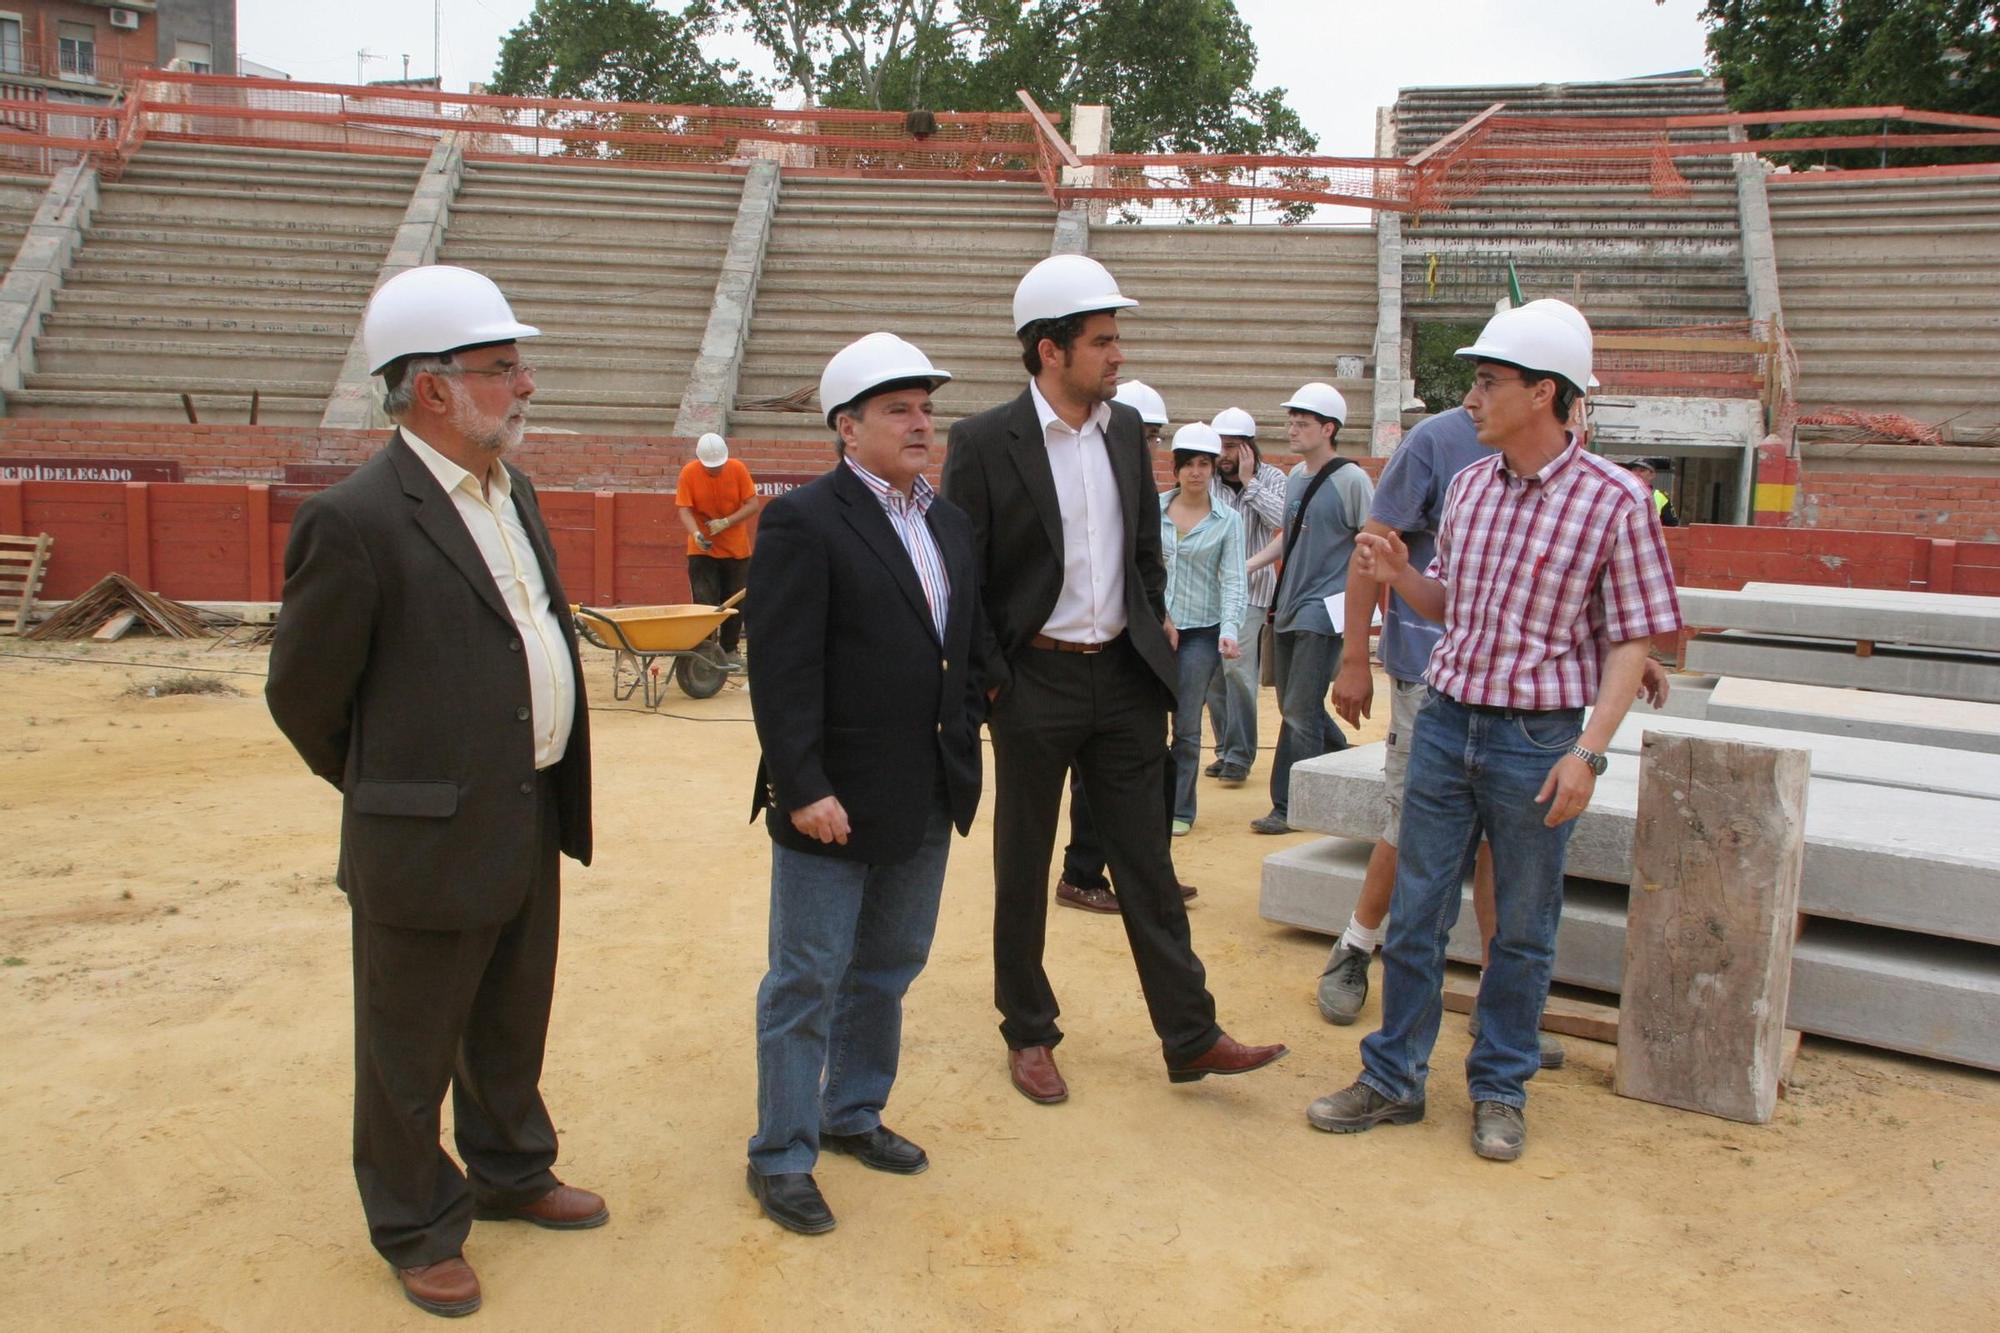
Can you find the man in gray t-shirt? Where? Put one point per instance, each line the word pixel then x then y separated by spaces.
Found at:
pixel 1307 647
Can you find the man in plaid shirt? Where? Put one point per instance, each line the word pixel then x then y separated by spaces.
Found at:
pixel 1551 578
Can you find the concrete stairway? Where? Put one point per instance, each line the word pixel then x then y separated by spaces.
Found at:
pixel 1891 291
pixel 1238 316
pixel 1625 257
pixel 216 272
pixel 617 267
pixel 935 262
pixel 20 196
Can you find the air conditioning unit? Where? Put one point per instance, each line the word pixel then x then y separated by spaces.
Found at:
pixel 127 19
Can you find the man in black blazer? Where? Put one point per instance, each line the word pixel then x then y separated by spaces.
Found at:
pixel 867 699
pixel 424 664
pixel 1081 670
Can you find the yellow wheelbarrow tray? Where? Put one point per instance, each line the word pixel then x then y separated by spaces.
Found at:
pixel 640 637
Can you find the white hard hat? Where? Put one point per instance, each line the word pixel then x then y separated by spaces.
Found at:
pixel 1235 421
pixel 1573 317
pixel 712 450
pixel 1535 340
pixel 433 309
pixel 869 363
pixel 1195 437
pixel 1143 399
pixel 1065 285
pixel 1319 399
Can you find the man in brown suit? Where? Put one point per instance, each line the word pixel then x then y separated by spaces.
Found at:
pixel 424 666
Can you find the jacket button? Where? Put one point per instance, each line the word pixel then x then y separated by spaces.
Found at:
pixel 527 789
pixel 521 713
pixel 513 645
pixel 947 664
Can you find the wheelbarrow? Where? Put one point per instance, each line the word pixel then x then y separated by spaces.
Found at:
pixel 640 638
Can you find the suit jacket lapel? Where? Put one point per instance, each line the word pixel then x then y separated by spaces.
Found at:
pixel 1118 451
pixel 440 521
pixel 1031 457
pixel 864 514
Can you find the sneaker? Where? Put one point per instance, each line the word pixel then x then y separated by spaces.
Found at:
pixel 732 661
pixel 1271 823
pixel 1182 827
pixel 1343 987
pixel 1499 1131
pixel 1214 770
pixel 1552 1052
pixel 1234 774
pixel 1358 1107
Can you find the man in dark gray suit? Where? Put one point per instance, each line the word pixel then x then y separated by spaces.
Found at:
pixel 425 666
pixel 1081 670
pixel 867 702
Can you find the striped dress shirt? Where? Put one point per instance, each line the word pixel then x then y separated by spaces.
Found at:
pixel 906 516
pixel 1260 503
pixel 1205 583
pixel 1541 574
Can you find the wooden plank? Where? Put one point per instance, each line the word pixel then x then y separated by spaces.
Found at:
pixel 1716 862
pixel 29 582
pixel 114 627
pixel 1571 1018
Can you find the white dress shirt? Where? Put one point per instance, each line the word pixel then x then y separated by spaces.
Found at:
pixel 494 522
pixel 1091 608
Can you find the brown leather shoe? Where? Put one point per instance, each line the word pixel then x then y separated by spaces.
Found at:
pixel 1227 1056
pixel 448 1287
pixel 1090 900
pixel 1033 1069
pixel 1187 891
pixel 564 1208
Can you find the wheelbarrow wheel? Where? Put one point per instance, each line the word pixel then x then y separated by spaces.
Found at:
pixel 701 673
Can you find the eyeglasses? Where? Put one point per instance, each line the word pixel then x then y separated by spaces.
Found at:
pixel 513 374
pixel 1485 383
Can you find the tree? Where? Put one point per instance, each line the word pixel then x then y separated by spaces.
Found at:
pixel 620 51
pixel 1783 55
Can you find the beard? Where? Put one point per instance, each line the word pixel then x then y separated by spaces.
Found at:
pixel 492 433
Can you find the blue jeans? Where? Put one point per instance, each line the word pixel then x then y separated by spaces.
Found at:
pixel 1473 772
pixel 846 940
pixel 1304 663
pixel 1232 697
pixel 1199 654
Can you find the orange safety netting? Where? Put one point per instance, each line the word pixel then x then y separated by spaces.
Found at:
pixel 1873 425
pixel 1722 359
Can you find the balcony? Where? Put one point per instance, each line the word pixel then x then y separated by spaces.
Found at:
pixel 78 63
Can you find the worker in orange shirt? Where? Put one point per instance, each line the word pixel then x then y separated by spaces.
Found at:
pixel 716 498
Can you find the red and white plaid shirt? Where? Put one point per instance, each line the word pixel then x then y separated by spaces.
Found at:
pixel 1541 575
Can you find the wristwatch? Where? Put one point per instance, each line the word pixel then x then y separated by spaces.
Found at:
pixel 1596 762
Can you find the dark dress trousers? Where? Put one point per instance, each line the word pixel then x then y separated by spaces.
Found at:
pixel 398 675
pixel 1104 712
pixel 854 694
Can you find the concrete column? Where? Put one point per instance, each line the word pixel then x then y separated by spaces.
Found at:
pixel 711 386
pixel 1760 252
pixel 1089 132
pixel 1072 232
pixel 1387 426
pixel 29 291
pixel 353 404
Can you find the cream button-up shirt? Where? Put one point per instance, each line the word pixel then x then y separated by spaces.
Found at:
pixel 1091 608
pixel 493 520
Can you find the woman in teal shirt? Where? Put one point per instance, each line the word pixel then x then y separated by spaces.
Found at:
pixel 1202 544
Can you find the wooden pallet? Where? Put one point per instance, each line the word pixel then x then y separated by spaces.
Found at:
pixel 22 562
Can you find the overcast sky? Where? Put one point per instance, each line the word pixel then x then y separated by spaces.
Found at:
pixel 1338 58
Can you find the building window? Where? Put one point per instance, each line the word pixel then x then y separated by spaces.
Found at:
pixel 10 43
pixel 76 50
pixel 194 57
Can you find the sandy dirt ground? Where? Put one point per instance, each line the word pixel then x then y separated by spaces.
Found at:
pixel 174 1004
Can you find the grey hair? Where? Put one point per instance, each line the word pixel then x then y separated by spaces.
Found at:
pixel 400 396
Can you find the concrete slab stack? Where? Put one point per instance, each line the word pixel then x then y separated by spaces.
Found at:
pixel 1900 897
pixel 1932 644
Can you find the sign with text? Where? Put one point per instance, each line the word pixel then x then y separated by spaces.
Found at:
pixel 89 469
pixel 772 486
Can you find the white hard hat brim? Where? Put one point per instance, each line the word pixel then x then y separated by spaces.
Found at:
pixel 933 378
pixel 1088 305
pixel 496 333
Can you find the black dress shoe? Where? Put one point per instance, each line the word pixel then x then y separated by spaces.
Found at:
pixel 882 1148
pixel 793 1201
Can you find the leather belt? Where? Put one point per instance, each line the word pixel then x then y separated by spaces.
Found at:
pixel 1043 641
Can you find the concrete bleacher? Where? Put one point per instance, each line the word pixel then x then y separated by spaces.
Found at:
pixel 1891 291
pixel 1626 257
pixel 1238 316
pixel 933 261
pixel 20 196
pixel 616 267
pixel 217 272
